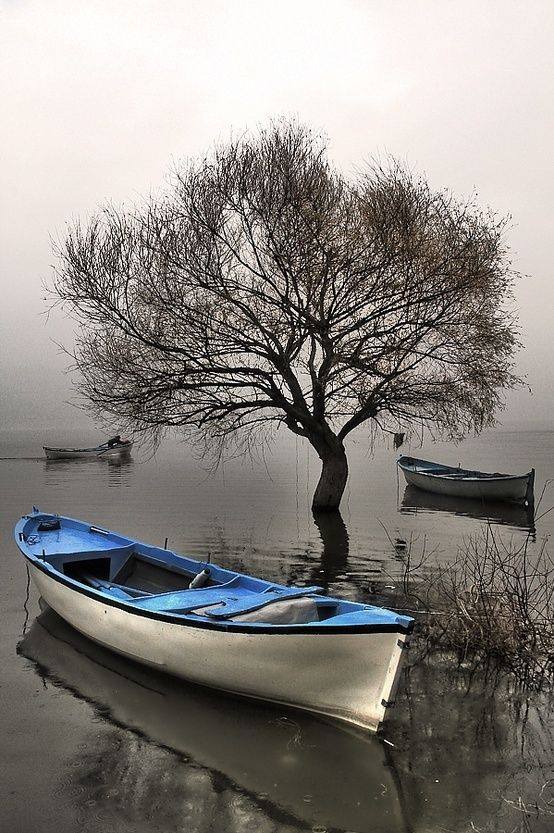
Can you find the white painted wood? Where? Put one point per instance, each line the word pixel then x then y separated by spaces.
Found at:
pixel 344 676
pixel 509 488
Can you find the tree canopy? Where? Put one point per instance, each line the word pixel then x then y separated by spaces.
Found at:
pixel 266 288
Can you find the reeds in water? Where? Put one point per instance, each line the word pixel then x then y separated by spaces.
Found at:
pixel 494 602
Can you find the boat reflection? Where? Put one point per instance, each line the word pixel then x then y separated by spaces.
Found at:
pixel 508 514
pixel 117 470
pixel 290 765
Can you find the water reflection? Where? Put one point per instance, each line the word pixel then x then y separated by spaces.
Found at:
pixel 112 471
pixel 280 765
pixel 509 514
pixel 334 556
pixel 472 749
pixel 160 755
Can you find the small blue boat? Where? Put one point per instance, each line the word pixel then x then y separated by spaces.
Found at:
pixel 217 627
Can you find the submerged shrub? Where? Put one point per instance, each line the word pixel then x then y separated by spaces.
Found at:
pixel 496 601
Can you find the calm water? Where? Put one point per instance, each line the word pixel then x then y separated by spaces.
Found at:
pixel 93 742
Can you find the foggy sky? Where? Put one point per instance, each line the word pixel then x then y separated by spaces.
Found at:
pixel 99 98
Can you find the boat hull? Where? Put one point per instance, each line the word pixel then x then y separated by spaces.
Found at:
pixel 280 759
pixel 347 676
pixel 86 453
pixel 512 489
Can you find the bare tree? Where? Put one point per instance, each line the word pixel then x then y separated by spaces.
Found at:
pixel 266 288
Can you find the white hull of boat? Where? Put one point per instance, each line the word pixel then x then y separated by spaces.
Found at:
pixel 513 489
pixel 86 453
pixel 350 677
pixel 259 755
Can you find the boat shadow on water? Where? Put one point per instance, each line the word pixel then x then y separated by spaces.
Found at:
pixel 289 767
pixel 518 516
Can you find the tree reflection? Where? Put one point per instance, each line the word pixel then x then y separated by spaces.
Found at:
pixel 334 557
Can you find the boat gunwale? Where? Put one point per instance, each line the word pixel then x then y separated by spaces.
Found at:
pixel 485 478
pixel 189 620
pixel 250 628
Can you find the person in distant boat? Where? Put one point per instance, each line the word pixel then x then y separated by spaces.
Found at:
pixel 117 441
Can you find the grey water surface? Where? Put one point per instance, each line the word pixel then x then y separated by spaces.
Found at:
pixel 94 742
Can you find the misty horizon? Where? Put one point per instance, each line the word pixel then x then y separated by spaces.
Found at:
pixel 95 113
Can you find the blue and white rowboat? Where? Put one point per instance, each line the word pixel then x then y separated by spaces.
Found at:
pixel 464 483
pixel 214 626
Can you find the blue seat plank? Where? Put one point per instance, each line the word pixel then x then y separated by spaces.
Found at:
pixel 228 599
pixel 254 601
pixel 188 600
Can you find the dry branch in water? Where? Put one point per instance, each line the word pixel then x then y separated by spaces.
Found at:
pixel 266 289
pixel 495 602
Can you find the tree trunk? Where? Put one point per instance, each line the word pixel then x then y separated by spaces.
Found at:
pixel 334 474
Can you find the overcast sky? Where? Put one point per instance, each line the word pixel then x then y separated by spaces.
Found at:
pixel 98 99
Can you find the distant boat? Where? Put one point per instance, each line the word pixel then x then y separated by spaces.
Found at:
pixel 216 627
pixel 458 482
pixel 114 447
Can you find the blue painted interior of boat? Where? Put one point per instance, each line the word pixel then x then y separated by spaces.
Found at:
pixel 153 580
pixel 428 467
